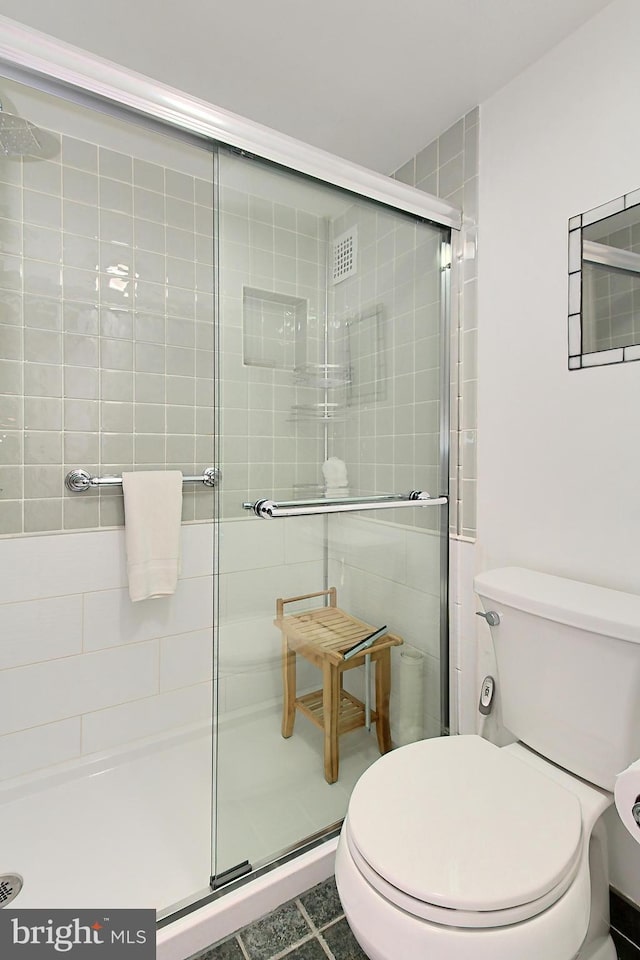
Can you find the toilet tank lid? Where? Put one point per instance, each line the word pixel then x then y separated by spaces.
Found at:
pixel 600 610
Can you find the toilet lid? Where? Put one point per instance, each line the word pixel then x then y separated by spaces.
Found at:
pixel 459 823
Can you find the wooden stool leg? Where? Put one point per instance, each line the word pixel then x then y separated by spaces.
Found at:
pixel 331 710
pixel 288 689
pixel 383 689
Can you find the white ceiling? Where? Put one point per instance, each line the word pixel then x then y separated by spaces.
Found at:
pixel 370 80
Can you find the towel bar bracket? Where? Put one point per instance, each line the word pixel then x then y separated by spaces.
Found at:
pixel 77 481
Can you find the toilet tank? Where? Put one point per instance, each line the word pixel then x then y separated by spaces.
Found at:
pixel 568 669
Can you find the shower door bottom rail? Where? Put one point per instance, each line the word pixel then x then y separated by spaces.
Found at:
pixel 268 509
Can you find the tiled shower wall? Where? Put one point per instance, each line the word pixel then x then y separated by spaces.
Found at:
pixel 448 167
pixel 82 669
pixel 389 439
pixel 106 340
pixel 272 243
pixel 106 330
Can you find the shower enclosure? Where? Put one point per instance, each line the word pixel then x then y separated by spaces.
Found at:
pixel 170 300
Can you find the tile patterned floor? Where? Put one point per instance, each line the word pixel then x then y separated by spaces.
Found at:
pixel 311 927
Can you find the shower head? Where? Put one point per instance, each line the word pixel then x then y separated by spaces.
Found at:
pixel 17 136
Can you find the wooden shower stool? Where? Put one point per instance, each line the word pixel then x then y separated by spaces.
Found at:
pixel 322 636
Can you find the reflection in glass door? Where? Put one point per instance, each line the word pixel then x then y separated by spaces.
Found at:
pixel 331 533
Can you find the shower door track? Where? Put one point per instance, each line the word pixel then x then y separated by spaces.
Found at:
pixel 42 57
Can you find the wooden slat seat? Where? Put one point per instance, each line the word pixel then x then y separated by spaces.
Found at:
pixel 323 636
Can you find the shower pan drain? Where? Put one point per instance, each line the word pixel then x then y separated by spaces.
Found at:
pixel 10 886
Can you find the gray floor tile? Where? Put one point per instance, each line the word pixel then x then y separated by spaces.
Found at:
pixel 342 942
pixel 229 950
pixel 311 950
pixel 274 933
pixel 322 903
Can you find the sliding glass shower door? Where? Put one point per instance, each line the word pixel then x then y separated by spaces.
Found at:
pixel 332 379
pixel 168 304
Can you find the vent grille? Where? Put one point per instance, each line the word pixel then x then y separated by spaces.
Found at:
pixel 345 255
pixel 10 887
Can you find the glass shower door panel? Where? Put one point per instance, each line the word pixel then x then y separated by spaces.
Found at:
pixel 330 398
pixel 106 365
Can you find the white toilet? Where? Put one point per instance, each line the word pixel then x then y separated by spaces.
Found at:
pixel 455 849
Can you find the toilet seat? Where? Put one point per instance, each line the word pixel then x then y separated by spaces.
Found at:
pixel 460 832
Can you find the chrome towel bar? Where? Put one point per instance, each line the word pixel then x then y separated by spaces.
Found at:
pixel 270 510
pixel 79 480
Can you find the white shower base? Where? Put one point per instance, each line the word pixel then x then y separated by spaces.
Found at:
pixel 134 828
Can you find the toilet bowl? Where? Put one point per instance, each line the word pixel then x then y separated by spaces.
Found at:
pixel 455 848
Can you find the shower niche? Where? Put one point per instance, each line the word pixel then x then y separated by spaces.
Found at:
pixel 344 363
pixel 280 332
pixel 274 329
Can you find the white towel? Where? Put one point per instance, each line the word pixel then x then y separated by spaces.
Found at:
pixel 152 509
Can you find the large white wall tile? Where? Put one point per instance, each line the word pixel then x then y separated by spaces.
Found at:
pixel 250 545
pixel 379 548
pixel 249 689
pixel 46 692
pixel 39 747
pixel 85 561
pixel 51 566
pixel 252 596
pixel 104 729
pixel 303 539
pixel 413 615
pixel 197 549
pixel 185 659
pixel 423 561
pixel 111 619
pixel 40 630
pixel 245 645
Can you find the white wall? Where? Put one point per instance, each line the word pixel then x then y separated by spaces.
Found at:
pixel 558 454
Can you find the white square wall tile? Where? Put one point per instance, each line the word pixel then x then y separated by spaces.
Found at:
pixel 111 619
pixel 46 692
pixel 40 630
pixel 186 659
pixel 39 747
pixel 104 729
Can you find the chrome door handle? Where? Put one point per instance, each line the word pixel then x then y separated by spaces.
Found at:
pixel 270 509
pixel 492 618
